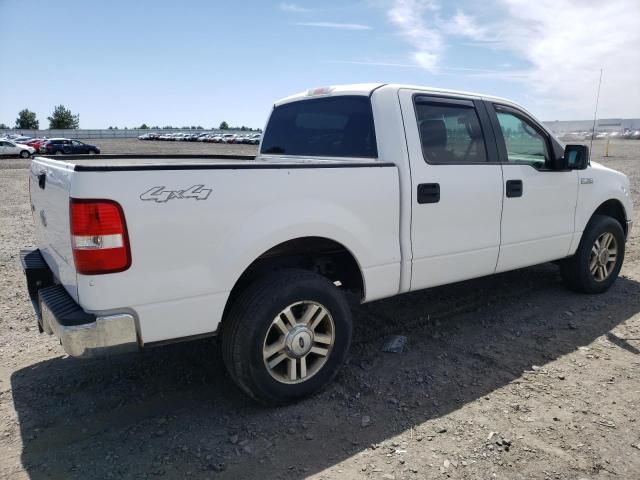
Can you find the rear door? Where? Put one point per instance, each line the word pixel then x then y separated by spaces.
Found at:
pixel 540 200
pixel 456 188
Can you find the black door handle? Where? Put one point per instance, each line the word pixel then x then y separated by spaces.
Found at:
pixel 428 193
pixel 42 179
pixel 514 188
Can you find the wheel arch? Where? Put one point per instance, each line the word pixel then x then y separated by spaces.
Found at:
pixel 612 208
pixel 321 255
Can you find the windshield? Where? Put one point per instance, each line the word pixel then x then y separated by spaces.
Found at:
pixel 340 126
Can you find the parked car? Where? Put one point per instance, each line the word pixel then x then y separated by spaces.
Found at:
pixel 9 147
pixel 254 139
pixel 36 143
pixel 388 189
pixel 228 138
pixel 66 146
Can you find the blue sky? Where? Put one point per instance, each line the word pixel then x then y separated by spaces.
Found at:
pixel 201 62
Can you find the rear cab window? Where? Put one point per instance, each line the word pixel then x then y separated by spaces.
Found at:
pixel 450 131
pixel 340 126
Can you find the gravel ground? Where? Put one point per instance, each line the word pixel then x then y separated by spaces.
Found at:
pixel 508 377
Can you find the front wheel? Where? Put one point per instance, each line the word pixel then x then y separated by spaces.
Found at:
pixel 286 336
pixel 24 154
pixel 598 260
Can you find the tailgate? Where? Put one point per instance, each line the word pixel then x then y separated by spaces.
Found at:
pixel 49 187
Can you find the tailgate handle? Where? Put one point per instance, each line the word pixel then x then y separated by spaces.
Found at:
pixel 42 179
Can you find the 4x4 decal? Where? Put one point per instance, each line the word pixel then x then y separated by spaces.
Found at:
pixel 160 195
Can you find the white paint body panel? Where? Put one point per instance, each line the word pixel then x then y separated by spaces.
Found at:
pixel 538 226
pixel 444 250
pixel 50 209
pixel 187 254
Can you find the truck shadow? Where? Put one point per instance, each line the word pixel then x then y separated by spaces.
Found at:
pixel 174 412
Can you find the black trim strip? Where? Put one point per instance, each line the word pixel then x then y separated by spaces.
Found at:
pixel 205 166
pixel 171 341
pixel 109 156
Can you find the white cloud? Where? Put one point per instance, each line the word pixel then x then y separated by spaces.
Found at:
pixel 409 17
pixel 466 26
pixel 566 42
pixel 563 44
pixel 293 8
pixel 340 26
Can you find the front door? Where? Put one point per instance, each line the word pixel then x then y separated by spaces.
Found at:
pixel 456 188
pixel 540 201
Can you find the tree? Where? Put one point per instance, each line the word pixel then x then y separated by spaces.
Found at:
pixel 3 126
pixel 63 118
pixel 27 119
pixel 224 126
pixel 143 127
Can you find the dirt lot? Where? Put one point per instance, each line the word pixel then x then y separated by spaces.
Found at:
pixel 509 377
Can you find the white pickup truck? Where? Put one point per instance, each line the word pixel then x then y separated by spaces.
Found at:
pixel 373 189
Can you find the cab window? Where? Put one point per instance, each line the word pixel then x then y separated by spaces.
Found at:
pixel 340 126
pixel 450 133
pixel 524 141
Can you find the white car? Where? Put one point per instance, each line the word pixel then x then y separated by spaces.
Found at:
pixel 9 147
pixel 228 138
pixel 254 139
pixel 370 189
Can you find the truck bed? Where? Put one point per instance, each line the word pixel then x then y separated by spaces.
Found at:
pixel 188 251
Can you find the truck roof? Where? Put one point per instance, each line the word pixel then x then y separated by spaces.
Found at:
pixel 367 89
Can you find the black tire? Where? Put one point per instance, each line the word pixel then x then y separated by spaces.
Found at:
pixel 576 272
pixel 251 318
pixel 58 152
pixel 25 154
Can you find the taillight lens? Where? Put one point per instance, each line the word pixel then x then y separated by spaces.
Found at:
pixel 99 237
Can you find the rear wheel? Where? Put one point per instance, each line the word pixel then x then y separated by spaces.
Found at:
pixel 24 154
pixel 598 260
pixel 286 336
pixel 58 152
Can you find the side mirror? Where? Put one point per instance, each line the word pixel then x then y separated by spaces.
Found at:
pixel 576 157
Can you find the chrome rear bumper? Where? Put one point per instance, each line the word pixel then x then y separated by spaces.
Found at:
pixel 81 334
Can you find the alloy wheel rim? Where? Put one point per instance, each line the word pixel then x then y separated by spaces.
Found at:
pixel 298 342
pixel 603 257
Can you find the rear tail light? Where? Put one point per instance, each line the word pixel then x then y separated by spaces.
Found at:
pixel 99 237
